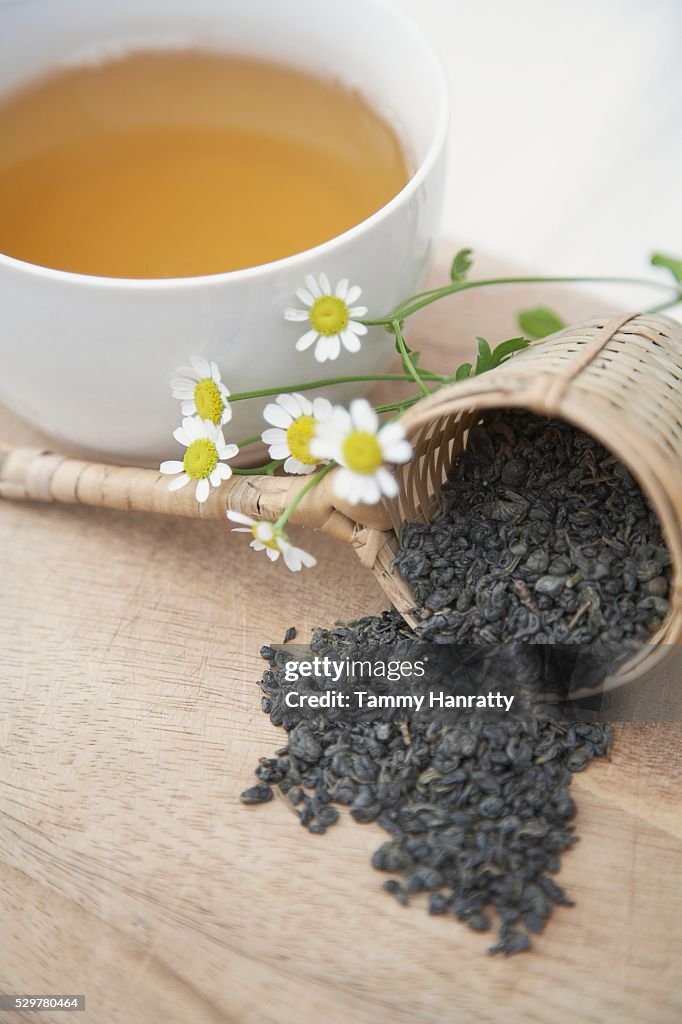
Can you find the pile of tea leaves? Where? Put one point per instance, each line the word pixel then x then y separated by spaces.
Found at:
pixel 544 542
pixel 543 537
pixel 477 806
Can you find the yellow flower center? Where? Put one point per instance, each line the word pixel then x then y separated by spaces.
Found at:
pixel 299 436
pixel 329 315
pixel 208 400
pixel 272 543
pixel 362 452
pixel 201 458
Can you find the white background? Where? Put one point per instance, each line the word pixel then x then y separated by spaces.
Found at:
pixel 566 137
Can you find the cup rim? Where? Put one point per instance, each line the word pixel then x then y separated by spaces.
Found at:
pixel 286 262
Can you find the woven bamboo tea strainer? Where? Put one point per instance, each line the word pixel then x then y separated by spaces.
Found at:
pixel 619 379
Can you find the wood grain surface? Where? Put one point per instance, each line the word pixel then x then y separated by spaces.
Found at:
pixel 130 722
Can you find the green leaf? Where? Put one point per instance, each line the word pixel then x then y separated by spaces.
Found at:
pixel 539 322
pixel 506 349
pixel 488 360
pixel 670 263
pixel 461 265
pixel 484 360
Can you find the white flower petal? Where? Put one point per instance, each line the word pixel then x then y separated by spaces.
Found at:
pixel 179 482
pixel 222 471
pixel 321 409
pixel 277 416
pixel 296 315
pixel 307 297
pixel 321 350
pixel 342 288
pixel 292 465
pixel 304 404
pixel 257 546
pixel 391 432
pixel 369 489
pixel 274 435
pixel 215 373
pixel 325 286
pixel 272 554
pixel 363 416
pixel 203 490
pixel 227 413
pixel 215 477
pixel 291 559
pixel 239 517
pixel 357 312
pixel 183 388
pixel 306 340
pixel 228 451
pixel 350 341
pixel 188 407
pixel 180 435
pixel 312 286
pixel 353 294
pixel 397 451
pixel 296 558
pixel 357 328
pixel 370 492
pixel 343 483
pixel 335 426
pixel 187 374
pixel 194 428
pixel 241 529
pixel 333 347
pixel 324 448
pixel 387 482
pixel 201 366
pixel 172 466
pixel 308 560
pixel 290 405
pixel 279 451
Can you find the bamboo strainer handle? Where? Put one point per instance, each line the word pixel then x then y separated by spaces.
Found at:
pixel 32 474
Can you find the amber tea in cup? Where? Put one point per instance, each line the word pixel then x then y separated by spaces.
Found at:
pixel 183 163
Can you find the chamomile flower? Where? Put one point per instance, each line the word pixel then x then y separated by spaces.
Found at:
pixel 294 419
pixel 265 537
pixel 202 392
pixel 204 458
pixel 332 317
pixel 361 446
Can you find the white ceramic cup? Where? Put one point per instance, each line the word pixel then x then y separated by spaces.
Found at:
pixel 89 359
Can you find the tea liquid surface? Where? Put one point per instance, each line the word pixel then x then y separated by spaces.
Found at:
pixel 176 164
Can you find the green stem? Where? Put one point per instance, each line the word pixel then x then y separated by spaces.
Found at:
pixel 292 506
pixel 398 406
pixel 267 470
pixel 426 298
pixel 249 440
pixel 240 396
pixel 407 362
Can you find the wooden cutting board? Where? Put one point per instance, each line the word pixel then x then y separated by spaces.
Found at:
pixel 131 721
